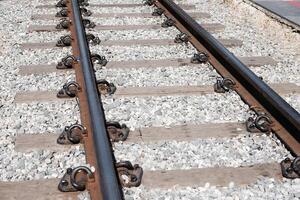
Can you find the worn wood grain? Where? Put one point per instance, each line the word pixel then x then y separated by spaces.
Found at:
pixel 215 176
pixel 48 96
pixel 34 190
pixel 106 15
pixel 214 27
pixel 158 42
pixel 162 179
pixel 129 5
pixel 31 142
pixel 255 61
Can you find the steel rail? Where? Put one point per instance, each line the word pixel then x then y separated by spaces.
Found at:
pixel 250 87
pixel 105 162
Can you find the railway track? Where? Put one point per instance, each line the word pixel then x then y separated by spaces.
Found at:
pixel 115 155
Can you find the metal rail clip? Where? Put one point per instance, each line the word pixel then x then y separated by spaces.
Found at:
pixel 129 176
pixel 88 24
pixel 72 134
pixel 181 38
pixel 62 13
pixel 85 12
pixel 168 23
pixel 92 39
pixel 67 62
pixel 223 85
pixel 199 57
pixel 97 59
pixel 149 2
pixel 70 89
pixel 64 41
pixel 104 87
pixel 117 132
pixel 158 12
pixel 63 24
pixel 290 169
pixel 261 123
pixel 76 179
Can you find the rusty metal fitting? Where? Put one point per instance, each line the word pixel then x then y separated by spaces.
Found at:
pixel 224 85
pixel 104 87
pixel 290 169
pixel 88 24
pixel 149 2
pixel 181 38
pixel 97 59
pixel 83 2
pixel 63 24
pixel 158 12
pixel 72 134
pixel 200 57
pixel 85 12
pixel 75 179
pixel 168 23
pixel 64 41
pixel 260 123
pixel 67 62
pixel 117 132
pixel 70 89
pixel 92 39
pixel 129 176
pixel 61 3
pixel 62 13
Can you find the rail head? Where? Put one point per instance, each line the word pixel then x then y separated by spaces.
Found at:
pixel 106 172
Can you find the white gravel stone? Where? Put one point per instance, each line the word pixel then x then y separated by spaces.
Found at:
pixel 264 188
pixel 232 152
pixel 168 76
pixel 146 112
pixel 140 112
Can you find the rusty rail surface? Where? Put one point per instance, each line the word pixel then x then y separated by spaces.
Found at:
pixel 273 113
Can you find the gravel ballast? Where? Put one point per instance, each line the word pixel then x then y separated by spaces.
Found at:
pixel 259 38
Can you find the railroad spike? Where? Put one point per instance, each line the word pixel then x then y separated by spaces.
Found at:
pixel 133 173
pixel 200 57
pixel 67 62
pixel 168 23
pixel 261 123
pixel 158 12
pixel 70 89
pixel 181 38
pixel 72 134
pixel 104 87
pixel 116 131
pixel 97 59
pixel 76 179
pixel 63 24
pixel 224 85
pixel 64 41
pixel 290 168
